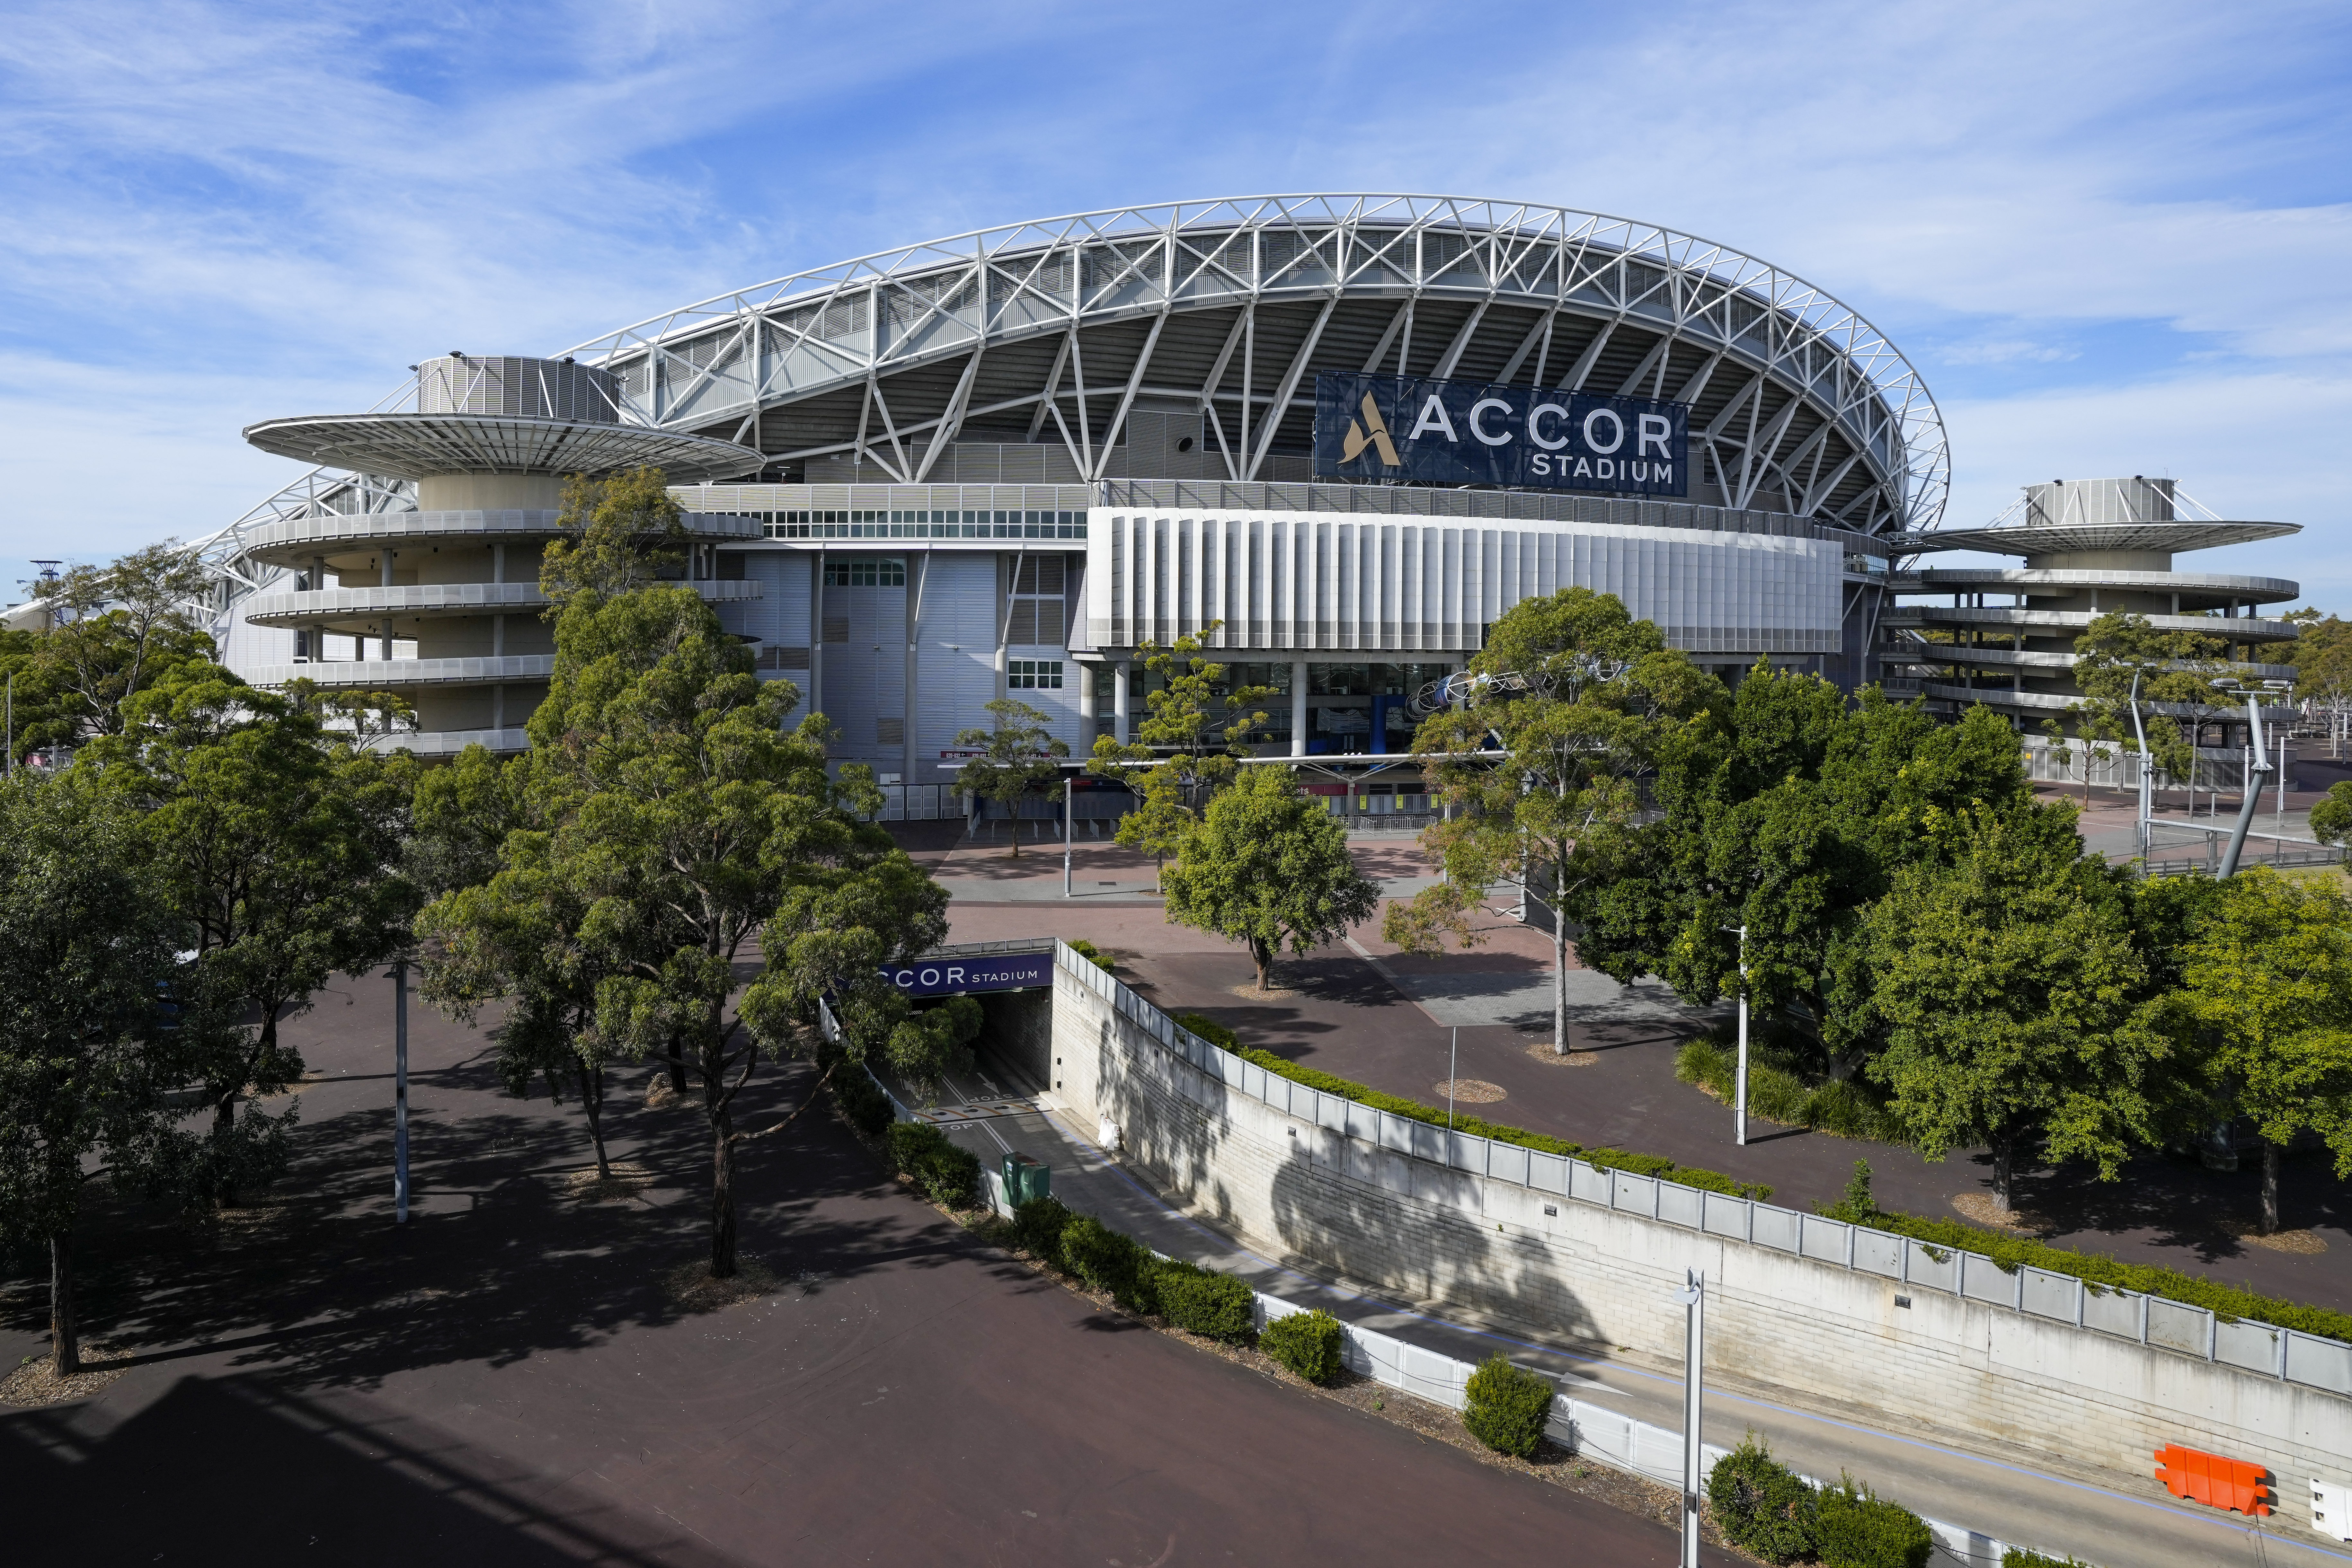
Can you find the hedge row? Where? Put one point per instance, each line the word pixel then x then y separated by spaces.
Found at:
pixel 1767 1509
pixel 2225 1302
pixel 1841 1107
pixel 1478 1127
pixel 948 1174
pixel 1215 1306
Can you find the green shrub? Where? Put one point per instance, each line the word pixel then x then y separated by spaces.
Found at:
pixel 948 1174
pixel 1091 954
pixel 1212 1305
pixel 1643 1164
pixel 1778 1094
pixel 1310 1344
pixel 1037 1226
pixel 1210 1030
pixel 863 1103
pixel 1761 1506
pixel 1104 1261
pixel 1507 1407
pixel 1855 1528
pixel 2018 1557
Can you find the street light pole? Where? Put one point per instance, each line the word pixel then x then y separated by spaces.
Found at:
pixel 1069 800
pixel 1453 1070
pixel 1739 1114
pixel 1693 1298
pixel 400 1090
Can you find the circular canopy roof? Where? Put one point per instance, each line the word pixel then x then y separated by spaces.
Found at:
pixel 2070 538
pixel 414 445
pixel 1052 330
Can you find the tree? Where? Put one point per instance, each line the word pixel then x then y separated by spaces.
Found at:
pixel 1185 750
pixel 86 1055
pixel 2269 981
pixel 118 629
pixel 1268 866
pixel 1582 699
pixel 2322 656
pixel 1018 753
pixel 687 824
pixel 524 934
pixel 277 842
pixel 621 534
pixel 2331 814
pixel 2014 1002
pixel 2174 669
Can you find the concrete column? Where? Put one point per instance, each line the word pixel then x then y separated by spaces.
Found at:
pixel 919 564
pixel 813 700
pixel 1087 704
pixel 498 706
pixel 1118 700
pixel 1298 708
pixel 385 556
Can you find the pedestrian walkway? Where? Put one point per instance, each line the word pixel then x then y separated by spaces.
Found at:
pixel 2092 1517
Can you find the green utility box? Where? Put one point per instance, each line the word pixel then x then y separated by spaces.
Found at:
pixel 1026 1179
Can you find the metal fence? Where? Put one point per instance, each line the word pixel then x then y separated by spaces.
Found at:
pixel 2288 1354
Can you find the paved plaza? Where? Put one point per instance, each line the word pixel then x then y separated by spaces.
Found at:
pixel 503 1381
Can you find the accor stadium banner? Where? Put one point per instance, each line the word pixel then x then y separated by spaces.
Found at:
pixel 1474 433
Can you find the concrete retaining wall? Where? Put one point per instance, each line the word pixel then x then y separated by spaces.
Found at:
pixel 1797 1302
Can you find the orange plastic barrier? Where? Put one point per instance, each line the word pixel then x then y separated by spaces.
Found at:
pixel 2210 1479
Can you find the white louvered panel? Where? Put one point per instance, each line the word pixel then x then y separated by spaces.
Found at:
pixel 956 654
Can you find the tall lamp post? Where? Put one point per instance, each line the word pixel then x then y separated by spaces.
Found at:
pixel 1693 1300
pixel 1069 825
pixel 1739 1083
pixel 400 1090
pixel 2257 764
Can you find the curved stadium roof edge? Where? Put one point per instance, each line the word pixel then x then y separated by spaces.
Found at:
pixel 1828 394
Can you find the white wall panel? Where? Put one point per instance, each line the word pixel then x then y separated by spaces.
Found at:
pixel 1323 583
pixel 955 669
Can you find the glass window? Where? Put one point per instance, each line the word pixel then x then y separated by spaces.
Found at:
pixel 1033 674
pixel 886 571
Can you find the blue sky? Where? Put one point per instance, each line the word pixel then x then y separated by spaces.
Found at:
pixel 2113 238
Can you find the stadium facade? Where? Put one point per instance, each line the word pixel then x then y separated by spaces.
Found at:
pixel 1335 436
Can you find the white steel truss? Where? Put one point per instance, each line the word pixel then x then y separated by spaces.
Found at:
pixel 940 304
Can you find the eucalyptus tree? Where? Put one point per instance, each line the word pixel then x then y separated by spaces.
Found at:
pixel 1569 702
pixel 2269 984
pixel 2121 655
pixel 674 834
pixel 1268 866
pixel 1018 756
pixel 2016 1007
pixel 1188 743
pixel 87 1054
pixel 277 841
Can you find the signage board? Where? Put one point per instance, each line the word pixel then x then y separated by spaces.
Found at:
pixel 949 977
pixel 1475 433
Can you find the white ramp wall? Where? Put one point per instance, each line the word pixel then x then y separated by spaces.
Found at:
pixel 2029 1360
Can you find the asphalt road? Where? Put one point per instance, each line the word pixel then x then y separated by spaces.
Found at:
pixel 503 1381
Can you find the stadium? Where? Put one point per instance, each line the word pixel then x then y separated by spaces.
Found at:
pixel 1335 436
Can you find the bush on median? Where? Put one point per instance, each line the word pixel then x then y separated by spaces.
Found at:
pixel 1203 1301
pixel 1309 1343
pixel 1037 1226
pixel 1761 1505
pixel 1855 1528
pixel 863 1103
pixel 1104 1261
pixel 1507 1407
pixel 949 1176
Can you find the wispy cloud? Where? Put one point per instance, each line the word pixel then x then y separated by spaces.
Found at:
pixel 2115 232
